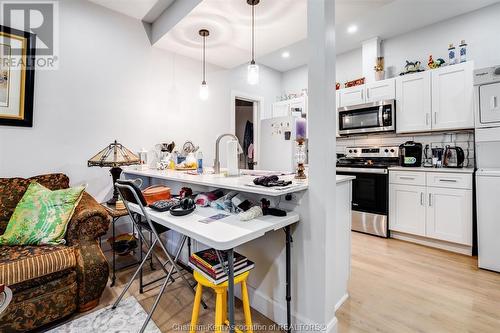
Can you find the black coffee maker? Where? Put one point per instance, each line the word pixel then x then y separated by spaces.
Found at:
pixel 410 154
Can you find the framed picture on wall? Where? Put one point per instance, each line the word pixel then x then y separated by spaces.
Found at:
pixel 17 77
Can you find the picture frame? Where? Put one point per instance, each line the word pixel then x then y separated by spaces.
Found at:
pixel 17 77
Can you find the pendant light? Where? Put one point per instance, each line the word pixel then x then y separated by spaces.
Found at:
pixel 253 68
pixel 204 88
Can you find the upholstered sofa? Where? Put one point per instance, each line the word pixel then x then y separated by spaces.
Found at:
pixel 52 282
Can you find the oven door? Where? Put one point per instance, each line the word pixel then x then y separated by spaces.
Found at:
pixel 370 197
pixel 366 118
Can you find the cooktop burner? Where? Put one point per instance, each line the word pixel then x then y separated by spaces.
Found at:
pixel 369 157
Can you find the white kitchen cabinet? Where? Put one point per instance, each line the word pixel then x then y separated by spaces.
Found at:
pixel 452 97
pixel 380 90
pixel 406 209
pixel 449 215
pixel 413 103
pixel 337 103
pixel 432 208
pixel 352 96
pixel 295 106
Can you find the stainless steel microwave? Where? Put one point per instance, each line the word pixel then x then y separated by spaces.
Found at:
pixel 368 118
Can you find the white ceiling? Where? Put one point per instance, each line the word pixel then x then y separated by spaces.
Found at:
pixel 282 25
pixel 277 24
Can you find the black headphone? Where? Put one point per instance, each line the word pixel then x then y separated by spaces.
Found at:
pixel 184 207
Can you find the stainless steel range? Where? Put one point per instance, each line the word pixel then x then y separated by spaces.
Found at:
pixel 370 189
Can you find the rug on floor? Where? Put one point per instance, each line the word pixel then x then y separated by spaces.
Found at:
pixel 127 317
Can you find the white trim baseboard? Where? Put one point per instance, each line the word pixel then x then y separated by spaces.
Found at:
pixel 443 245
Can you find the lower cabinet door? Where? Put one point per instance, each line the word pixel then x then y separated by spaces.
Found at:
pixel 449 215
pixel 407 208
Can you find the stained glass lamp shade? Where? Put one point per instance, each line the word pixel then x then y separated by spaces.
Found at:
pixel 114 155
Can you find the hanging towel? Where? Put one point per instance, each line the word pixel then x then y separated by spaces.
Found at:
pixel 248 136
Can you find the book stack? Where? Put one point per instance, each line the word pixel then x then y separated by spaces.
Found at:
pixel 207 263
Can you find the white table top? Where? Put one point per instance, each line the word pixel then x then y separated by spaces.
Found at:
pixel 223 234
pixel 242 183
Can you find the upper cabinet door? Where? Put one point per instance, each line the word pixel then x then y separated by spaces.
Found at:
pixel 413 102
pixel 452 97
pixel 380 90
pixel 489 96
pixel 352 96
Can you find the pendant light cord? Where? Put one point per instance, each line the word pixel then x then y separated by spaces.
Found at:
pixel 204 62
pixel 253 34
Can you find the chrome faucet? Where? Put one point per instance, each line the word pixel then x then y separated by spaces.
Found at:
pixel 217 150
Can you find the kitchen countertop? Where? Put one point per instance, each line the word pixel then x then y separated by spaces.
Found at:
pixel 422 169
pixel 243 183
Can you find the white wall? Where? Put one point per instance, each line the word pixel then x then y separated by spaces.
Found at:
pixel 269 86
pixel 479 29
pixel 349 67
pixel 111 85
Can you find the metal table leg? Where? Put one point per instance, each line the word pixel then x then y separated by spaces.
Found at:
pixel 230 303
pixel 288 279
pixel 113 253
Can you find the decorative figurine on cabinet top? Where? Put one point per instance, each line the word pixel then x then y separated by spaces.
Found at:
pixel 433 64
pixel 412 67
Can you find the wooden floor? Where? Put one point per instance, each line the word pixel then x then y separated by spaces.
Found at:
pixel 402 287
pixel 395 287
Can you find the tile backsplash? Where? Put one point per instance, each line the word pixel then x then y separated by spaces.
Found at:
pixel 462 139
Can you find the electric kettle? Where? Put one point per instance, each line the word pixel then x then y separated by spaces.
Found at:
pixel 453 157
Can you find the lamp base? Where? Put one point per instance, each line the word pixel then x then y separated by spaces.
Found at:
pixel 115 174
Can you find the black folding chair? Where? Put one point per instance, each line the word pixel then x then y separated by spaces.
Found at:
pixel 131 194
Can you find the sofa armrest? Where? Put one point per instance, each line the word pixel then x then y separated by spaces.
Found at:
pixel 89 221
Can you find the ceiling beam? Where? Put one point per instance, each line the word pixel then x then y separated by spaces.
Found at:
pixel 169 18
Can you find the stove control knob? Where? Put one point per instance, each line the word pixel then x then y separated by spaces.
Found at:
pixel 350 151
pixel 355 151
pixel 392 150
pixel 387 150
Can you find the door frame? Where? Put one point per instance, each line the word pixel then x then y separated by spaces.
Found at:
pixel 258 102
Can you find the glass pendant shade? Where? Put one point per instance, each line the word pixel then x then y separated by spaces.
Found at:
pixel 253 74
pixel 204 93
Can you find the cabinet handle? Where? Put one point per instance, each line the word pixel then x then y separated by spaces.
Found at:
pixel 430 200
pixel 362 94
pixel 404 177
pixel 421 198
pixel 435 118
pixel 367 93
pixel 494 103
pixel 427 119
pixel 448 180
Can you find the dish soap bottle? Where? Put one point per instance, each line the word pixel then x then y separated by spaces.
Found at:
pixel 463 51
pixel 199 163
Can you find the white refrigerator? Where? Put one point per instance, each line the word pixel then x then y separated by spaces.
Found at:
pixel 277 144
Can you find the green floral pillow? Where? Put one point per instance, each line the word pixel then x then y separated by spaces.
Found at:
pixel 41 216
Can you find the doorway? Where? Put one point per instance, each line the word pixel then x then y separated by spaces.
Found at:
pixel 245 123
pixel 244 130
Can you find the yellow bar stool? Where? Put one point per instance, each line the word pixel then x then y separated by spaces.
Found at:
pixel 221 301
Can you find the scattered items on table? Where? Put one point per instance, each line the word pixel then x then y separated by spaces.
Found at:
pixel 208 264
pixel 271 181
pixel 185 192
pixel 155 193
pixel 185 207
pixel 266 210
pixel 213 218
pixel 250 214
pixel 204 199
pixel 164 205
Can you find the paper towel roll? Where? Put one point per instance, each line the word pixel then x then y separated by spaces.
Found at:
pixel 232 158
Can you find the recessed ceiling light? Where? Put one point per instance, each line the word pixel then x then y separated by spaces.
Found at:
pixel 352 29
pixel 285 54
